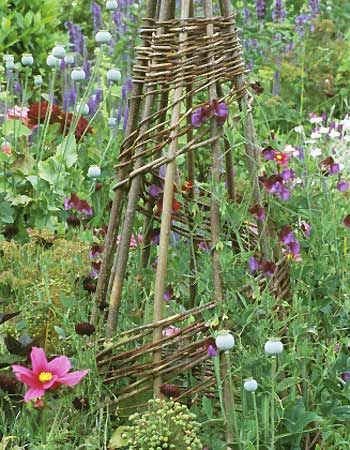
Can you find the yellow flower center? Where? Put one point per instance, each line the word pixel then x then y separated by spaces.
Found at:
pixel 279 157
pixel 44 377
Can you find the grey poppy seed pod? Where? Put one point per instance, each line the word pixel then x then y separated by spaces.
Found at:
pixel 52 61
pixel 225 341
pixel 78 74
pixel 103 37
pixel 273 347
pixel 69 58
pixel 111 5
pixel 250 385
pixel 27 59
pixel 58 51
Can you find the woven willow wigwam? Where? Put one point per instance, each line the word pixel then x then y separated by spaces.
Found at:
pixel 183 64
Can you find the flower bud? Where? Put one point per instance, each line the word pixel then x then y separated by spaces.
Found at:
pixel 114 75
pixel 52 61
pixel 8 58
pixel 10 65
pixel 58 52
pixel 224 341
pixel 112 122
pixel 69 58
pixel 250 385
pixel 103 37
pixel 27 59
pixel 38 80
pixel 111 5
pixel 94 172
pixel 83 109
pixel 78 75
pixel 273 347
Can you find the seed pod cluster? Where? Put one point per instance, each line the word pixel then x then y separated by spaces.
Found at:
pixel 165 425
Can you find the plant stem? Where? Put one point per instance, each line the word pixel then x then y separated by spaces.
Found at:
pixel 273 377
pixel 256 421
pixel 44 425
pixel 232 412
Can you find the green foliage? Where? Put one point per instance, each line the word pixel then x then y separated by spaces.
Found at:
pixel 29 27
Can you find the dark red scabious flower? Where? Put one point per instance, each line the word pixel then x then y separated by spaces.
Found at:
pixel 89 284
pixel 258 211
pixel 40 109
pixel 329 166
pixel 85 329
pixel 81 403
pixel 73 220
pixel 346 221
pixel 74 202
pixel 96 250
pixel 170 390
pixel 82 128
pixel 96 267
pixel 8 383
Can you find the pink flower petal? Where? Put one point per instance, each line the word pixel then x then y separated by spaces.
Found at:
pixel 50 383
pixel 33 393
pixel 39 361
pixel 59 366
pixel 73 378
pixel 26 376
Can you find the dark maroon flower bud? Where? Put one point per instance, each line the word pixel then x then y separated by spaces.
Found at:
pixel 8 384
pixel 268 267
pixel 84 329
pixel 89 284
pixel 73 221
pixel 98 186
pixel 347 221
pixel 10 231
pixel 256 87
pixel 80 403
pixel 170 390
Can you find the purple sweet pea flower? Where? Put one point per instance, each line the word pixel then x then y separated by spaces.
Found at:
pixel 212 352
pixel 334 168
pixel 254 265
pixel 305 228
pixel 154 190
pixel 269 153
pixel 168 294
pixel 288 174
pixel 346 376
pixel 220 110
pixel 343 186
pixel 204 246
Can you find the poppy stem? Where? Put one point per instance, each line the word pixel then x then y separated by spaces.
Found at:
pixel 44 425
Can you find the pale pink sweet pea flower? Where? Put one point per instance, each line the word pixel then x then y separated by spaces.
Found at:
pixel 46 375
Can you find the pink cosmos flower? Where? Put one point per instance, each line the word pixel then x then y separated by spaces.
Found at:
pixel 46 375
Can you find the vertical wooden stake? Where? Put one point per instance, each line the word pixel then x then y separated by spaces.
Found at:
pixel 133 197
pixel 167 209
pixel 116 211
